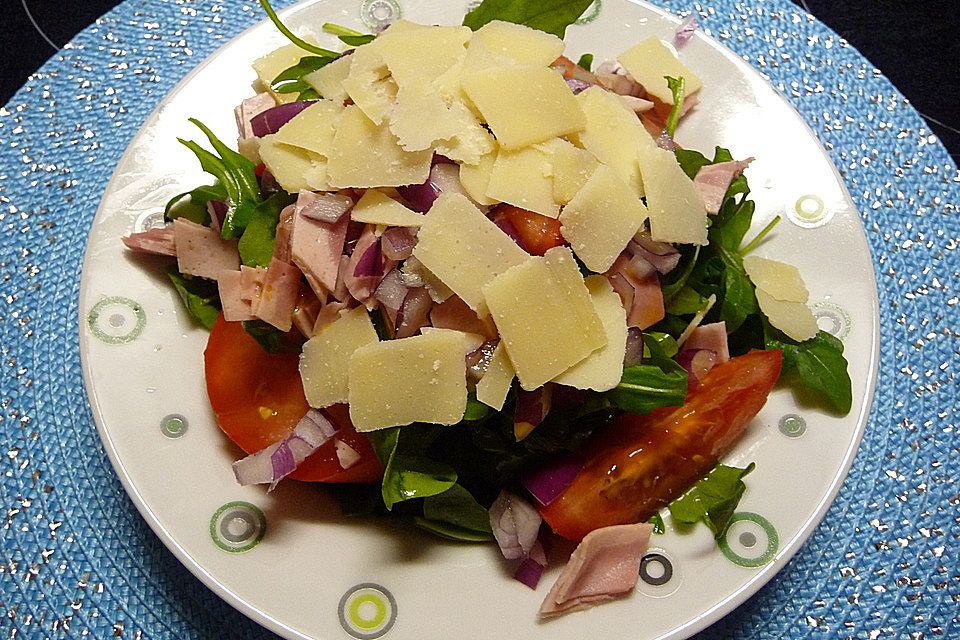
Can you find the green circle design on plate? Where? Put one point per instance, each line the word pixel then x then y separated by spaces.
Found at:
pixel 809 211
pixel 238 526
pixel 833 319
pixel 367 611
pixel 117 320
pixel 592 13
pixel 173 425
pixel 792 425
pixel 379 14
pixel 750 540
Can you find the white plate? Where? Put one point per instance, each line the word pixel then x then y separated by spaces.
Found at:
pixel 142 362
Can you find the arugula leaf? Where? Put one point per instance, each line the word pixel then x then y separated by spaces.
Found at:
pixel 644 387
pixel 270 338
pixel 739 298
pixel 552 16
pixel 282 28
pixel 686 301
pixel 678 88
pixel 260 233
pixel 235 173
pixel 456 514
pixel 380 324
pixel 475 410
pixel 713 498
pixel 408 473
pixel 199 296
pixel 666 343
pixel 347 35
pixel 585 61
pixel 195 208
pixel 819 365
pixel 291 79
pixel 657 521
pixel 679 277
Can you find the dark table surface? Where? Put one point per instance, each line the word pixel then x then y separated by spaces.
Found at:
pixel 914 43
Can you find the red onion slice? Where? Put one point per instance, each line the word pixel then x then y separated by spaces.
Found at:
pixel 325 207
pixel 414 313
pixel 577 86
pixel 532 408
pixel 663 256
pixel 398 243
pixel 634 351
pixel 546 483
pixel 370 263
pixel 515 524
pixel 218 211
pixel 280 459
pixel 391 292
pixel 531 568
pixel 685 31
pixel 271 120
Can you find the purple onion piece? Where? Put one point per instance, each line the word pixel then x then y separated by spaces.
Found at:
pixel 478 360
pixel 532 407
pixel 529 572
pixel 507 227
pixel 347 456
pixel 664 141
pixel 391 292
pixel 271 120
pixel 662 262
pixel 326 207
pixel 634 351
pixel 546 483
pixel 577 86
pixel 685 31
pixel 268 183
pixel 515 524
pixel 398 243
pixel 698 363
pixel 370 263
pixel 414 313
pixel 218 211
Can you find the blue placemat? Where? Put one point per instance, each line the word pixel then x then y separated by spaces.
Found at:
pixel 78 561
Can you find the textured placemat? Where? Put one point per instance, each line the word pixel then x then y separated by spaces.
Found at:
pixel 77 559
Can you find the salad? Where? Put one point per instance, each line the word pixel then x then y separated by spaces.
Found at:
pixel 474 285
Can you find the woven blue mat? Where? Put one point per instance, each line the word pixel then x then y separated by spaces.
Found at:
pixel 78 561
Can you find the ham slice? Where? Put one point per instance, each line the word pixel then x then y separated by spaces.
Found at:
pixel 328 314
pixel 316 248
pixel 251 282
pixel 305 312
pixel 662 255
pixel 323 207
pixel 249 108
pixel 713 180
pixel 202 252
pixel 453 313
pixel 645 306
pixel 235 308
pixel 159 241
pixel 282 249
pixel 278 297
pixel 605 565
pixel 709 337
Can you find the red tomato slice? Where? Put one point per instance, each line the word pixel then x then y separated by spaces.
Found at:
pixel 258 399
pixel 538 233
pixel 640 463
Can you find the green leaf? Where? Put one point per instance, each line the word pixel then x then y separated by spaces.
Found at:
pixel 348 35
pixel 678 88
pixel 270 338
pixel 644 387
pixel 291 79
pixel 194 208
pixel 456 506
pixel 713 499
pixel 380 324
pixel 451 531
pixel 199 296
pixel 408 473
pixel 475 410
pixel 657 521
pixel 282 28
pixel 819 365
pixel 691 161
pixel 260 233
pixel 666 344
pixel 686 301
pixel 585 61
pixel 552 16
pixel 739 298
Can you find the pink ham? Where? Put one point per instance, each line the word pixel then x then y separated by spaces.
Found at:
pixel 328 314
pixel 709 337
pixel 713 180
pixel 249 108
pixel 251 282
pixel 235 308
pixel 316 248
pixel 605 565
pixel 278 297
pixel 202 252
pixel 158 241
pixel 282 249
pixel 453 313
pixel 645 306
pixel 662 255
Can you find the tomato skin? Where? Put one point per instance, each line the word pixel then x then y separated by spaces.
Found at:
pixel 258 399
pixel 640 463
pixel 538 233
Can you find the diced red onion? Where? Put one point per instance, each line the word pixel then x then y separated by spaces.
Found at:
pixel 515 524
pixel 391 292
pixel 444 176
pixel 271 120
pixel 577 86
pixel 370 263
pixel 346 455
pixel 414 313
pixel 685 31
pixel 218 211
pixel 250 108
pixel 664 141
pixel 532 407
pixel 280 459
pixel 638 269
pixel 531 568
pixel 634 351
pixel 420 197
pixel 546 483
pixel 698 363
pixel 478 360
pixel 324 207
pixel 663 256
pixel 268 183
pixel 507 227
pixel 398 243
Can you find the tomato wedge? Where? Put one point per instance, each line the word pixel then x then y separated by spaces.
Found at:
pixel 640 463
pixel 258 399
pixel 538 233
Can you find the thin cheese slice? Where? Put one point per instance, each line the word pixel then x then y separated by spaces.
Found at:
pixel 273 64
pixel 464 248
pixel 602 369
pixel 545 316
pixel 601 219
pixel 675 206
pixel 375 207
pixel 313 128
pixel 328 79
pixel 326 356
pixel 293 168
pixel 518 43
pixel 570 167
pixel 418 55
pixel 421 117
pixel 417 379
pixel 782 281
pixel 614 135
pixel 369 84
pixel 793 318
pixel 367 155
pixel 476 178
pixel 471 143
pixel 651 60
pixel 524 105
pixel 471 341
pixel 523 178
pixel 495 384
